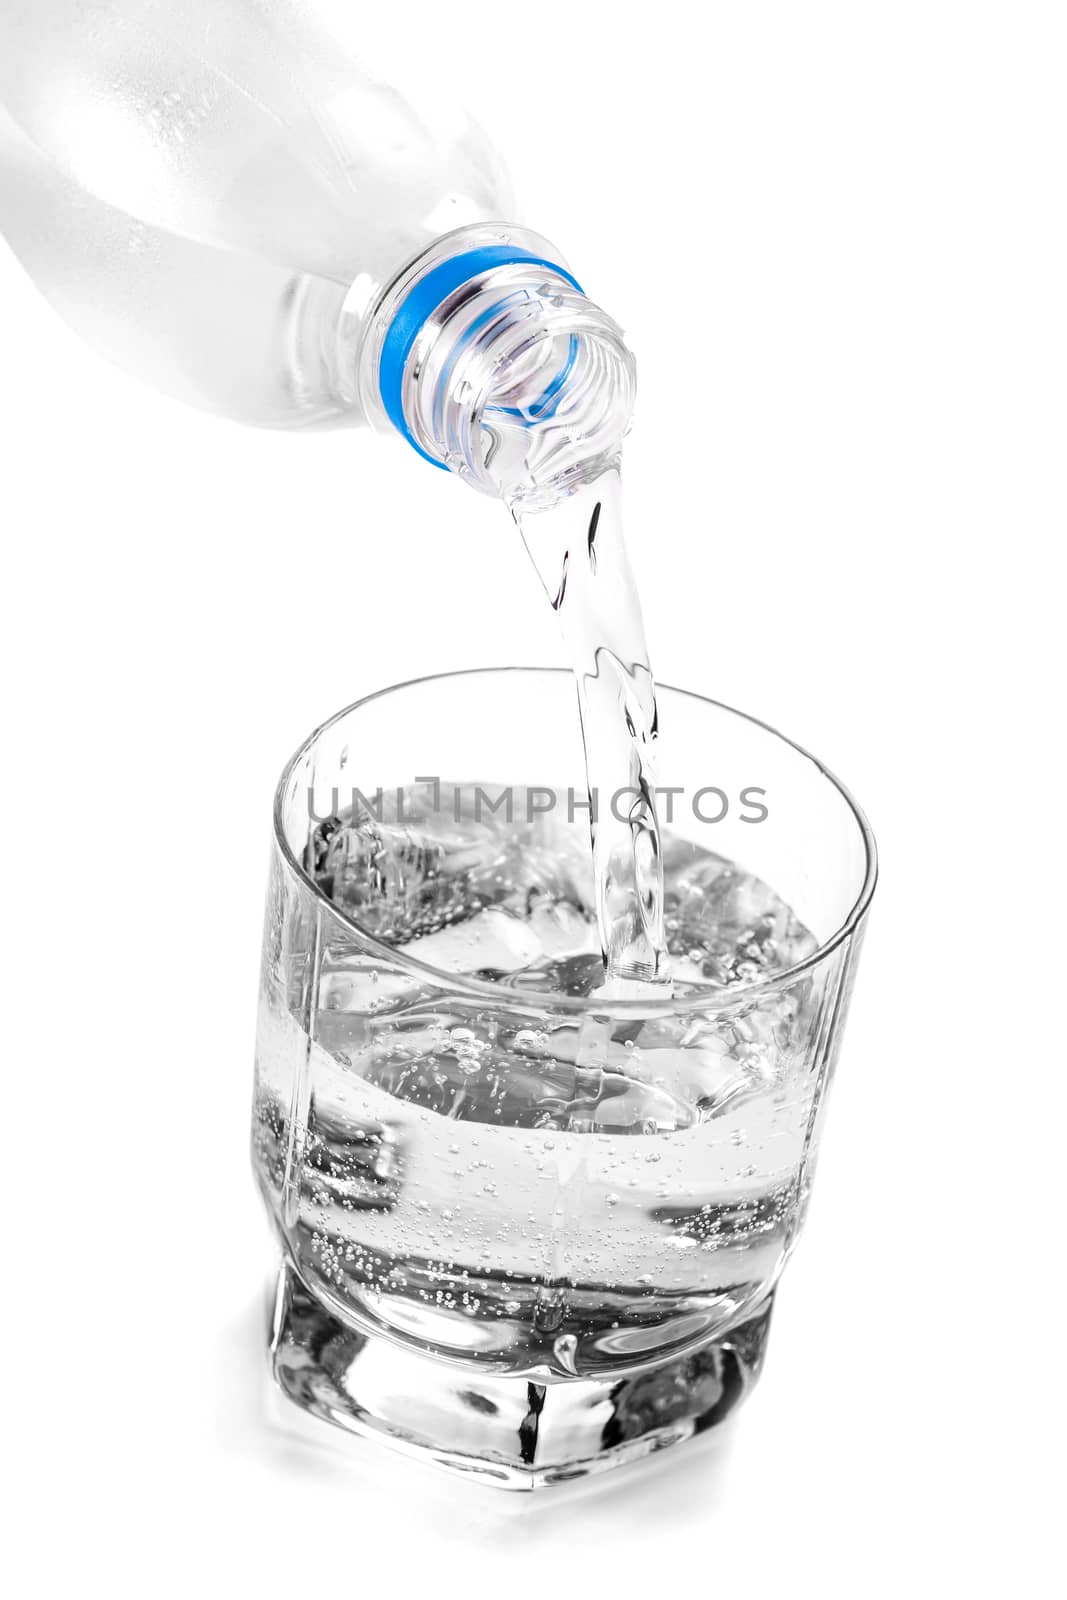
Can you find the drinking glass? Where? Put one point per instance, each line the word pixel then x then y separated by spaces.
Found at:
pixel 526 1233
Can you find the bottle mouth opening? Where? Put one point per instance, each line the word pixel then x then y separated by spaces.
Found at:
pixel 494 365
pixel 528 393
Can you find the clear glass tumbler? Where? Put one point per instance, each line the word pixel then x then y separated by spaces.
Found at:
pixel 531 1231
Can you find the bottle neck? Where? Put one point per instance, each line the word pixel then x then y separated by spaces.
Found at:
pixel 485 354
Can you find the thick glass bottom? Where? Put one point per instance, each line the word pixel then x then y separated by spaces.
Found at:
pixel 505 1431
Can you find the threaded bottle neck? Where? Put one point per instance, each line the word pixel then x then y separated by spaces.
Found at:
pixel 486 355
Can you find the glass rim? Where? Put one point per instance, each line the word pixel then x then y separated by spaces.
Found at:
pixel 462 986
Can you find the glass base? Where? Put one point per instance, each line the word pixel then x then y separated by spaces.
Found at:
pixel 504 1431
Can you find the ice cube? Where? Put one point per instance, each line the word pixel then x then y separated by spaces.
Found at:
pixel 441 857
pixel 723 924
pixel 489 1067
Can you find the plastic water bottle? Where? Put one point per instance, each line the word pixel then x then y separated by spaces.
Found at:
pixel 219 196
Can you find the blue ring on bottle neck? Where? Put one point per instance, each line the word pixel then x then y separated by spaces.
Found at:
pixel 420 304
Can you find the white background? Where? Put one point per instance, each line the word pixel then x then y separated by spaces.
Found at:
pixel 835 235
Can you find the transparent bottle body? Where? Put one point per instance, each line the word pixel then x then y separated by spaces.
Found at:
pixel 215 194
